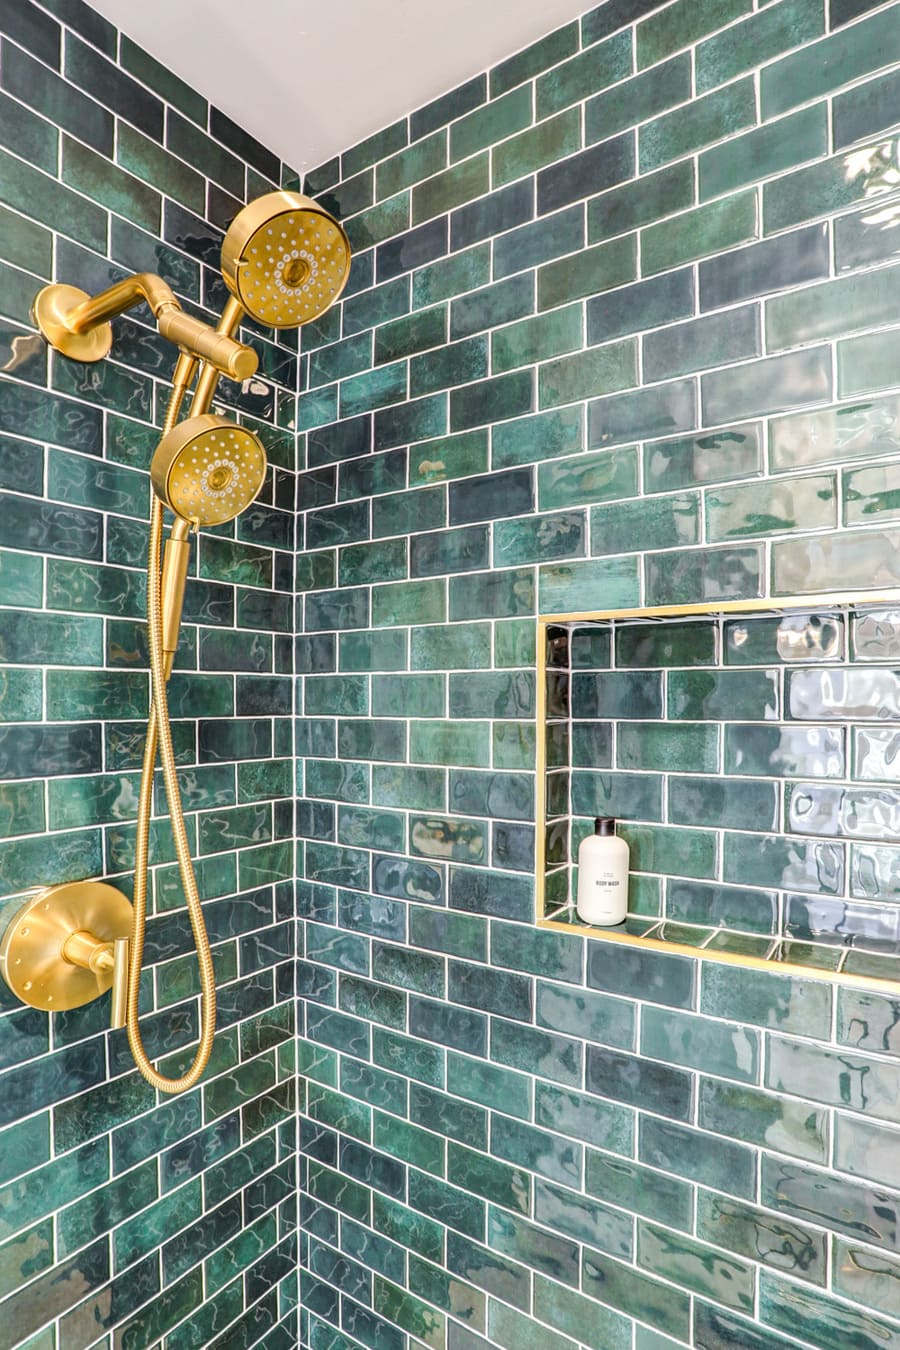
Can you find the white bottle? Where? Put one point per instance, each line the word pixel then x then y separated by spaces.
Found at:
pixel 603 875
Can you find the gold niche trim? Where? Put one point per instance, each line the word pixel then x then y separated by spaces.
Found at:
pixel 771 605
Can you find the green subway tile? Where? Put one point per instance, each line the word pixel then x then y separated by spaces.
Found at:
pixel 539 240
pixel 503 396
pixel 149 162
pixel 450 365
pixel 635 100
pixel 514 643
pixel 603 583
pixel 663 522
pixel 90 174
pixel 689 853
pixel 870 495
pixel 22 809
pixel 764 152
pixel 418 161
pixel 377 561
pixel 702 1269
pixel 373 389
pixel 726 1049
pixel 680 26
pixel 375 306
pixel 820 1076
pixel 449 457
pixel 513 745
pixel 693 234
pixel 633 1292
pixel 492 305
pixel 21 579
pixel 864 362
pixel 93 694
pixel 21 693
pixel 524 154
pixel 599 370
pixel 591 1323
pixel 459 273
pixel 814 1315
pixel 507 1327
pixel 758 1117
pixel 378 223
pixel 373 651
pixel 540 437
pixel 537 339
pixel 539 538
pixel 38 195
pixel 96 589
pixel 715 457
pixel 826 187
pixel 456 840
pixel 452 187
pixel 413 333
pixel 760 1235
pixel 797 1006
pixel 408 695
pixel 549 51
pixel 405 1310
pixel 583 75
pixel 795 504
pixel 829 310
pixel 819 66
pixel 405 512
pixel 772 384
pixel 451 646
pixel 685 747
pixel 409 787
pixel 588 272
pixel 603 476
pixel 702 122
pixel 850 559
pixel 436 742
pixel 409 602
pixel 756 39
pixel 462 935
pixel 492 122
pixel 493 595
pixel 25 243
pixel 500 1089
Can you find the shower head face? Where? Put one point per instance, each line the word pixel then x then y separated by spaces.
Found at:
pixel 285 259
pixel 208 469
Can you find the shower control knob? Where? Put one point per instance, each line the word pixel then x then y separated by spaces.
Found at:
pixel 67 945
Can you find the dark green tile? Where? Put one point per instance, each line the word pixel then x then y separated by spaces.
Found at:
pixel 690 128
pixel 550 140
pixel 666 32
pixel 707 229
pixel 591 271
pixel 574 80
pixel 702 1269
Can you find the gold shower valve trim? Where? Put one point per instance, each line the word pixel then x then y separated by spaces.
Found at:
pixel 67 945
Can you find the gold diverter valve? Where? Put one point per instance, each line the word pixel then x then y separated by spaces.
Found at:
pixel 285 261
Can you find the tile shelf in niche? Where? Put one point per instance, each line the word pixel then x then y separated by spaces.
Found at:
pixel 751 751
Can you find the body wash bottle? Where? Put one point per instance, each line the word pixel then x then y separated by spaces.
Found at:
pixel 603 875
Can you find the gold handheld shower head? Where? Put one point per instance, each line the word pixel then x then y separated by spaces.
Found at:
pixel 208 469
pixel 285 259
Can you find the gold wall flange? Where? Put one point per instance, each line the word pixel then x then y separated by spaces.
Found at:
pixel 52 307
pixel 60 950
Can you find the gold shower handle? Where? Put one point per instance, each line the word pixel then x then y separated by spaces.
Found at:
pixel 176 557
pixel 92 953
pixel 77 324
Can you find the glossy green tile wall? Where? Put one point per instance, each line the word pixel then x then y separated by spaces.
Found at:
pixel 127 1220
pixel 620 331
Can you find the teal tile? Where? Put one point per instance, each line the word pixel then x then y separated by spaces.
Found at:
pixel 89 173
pixel 452 187
pixel 537 339
pixel 448 277
pixel 726 1049
pixel 813 1314
pixel 850 559
pixel 759 1117
pixel 756 39
pixel 759 1235
pixel 582 75
pixel 813 69
pixel 825 187
pixel 548 51
pixel 703 121
pixel 863 363
pixel 155 166
pixel 449 457
pixel 607 583
pixel 869 495
pixel 665 33
pixel 636 100
pixel 693 234
pixel 599 370
pixel 593 1324
pixel 409 602
pixel 801 503
pixel 702 1269
pixel 21 578
pixel 764 152
pixel 733 453
pixel 663 522
pixel 409 166
pixel 492 122
pixel 539 538
pixel 591 271
pixel 552 139
pixel 629 1290
pixel 830 309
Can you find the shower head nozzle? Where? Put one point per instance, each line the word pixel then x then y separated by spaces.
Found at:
pixel 285 259
pixel 208 469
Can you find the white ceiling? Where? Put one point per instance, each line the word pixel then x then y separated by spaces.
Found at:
pixel 310 80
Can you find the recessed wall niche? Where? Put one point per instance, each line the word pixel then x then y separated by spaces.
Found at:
pixel 751 754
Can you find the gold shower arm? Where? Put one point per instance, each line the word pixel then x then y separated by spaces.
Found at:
pixel 77 324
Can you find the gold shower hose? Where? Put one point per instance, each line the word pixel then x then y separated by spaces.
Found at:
pixel 159 732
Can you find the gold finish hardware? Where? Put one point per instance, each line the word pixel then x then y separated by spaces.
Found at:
pixel 52 307
pixel 59 950
pixel 547 915
pixel 208 469
pixel 285 259
pixel 77 324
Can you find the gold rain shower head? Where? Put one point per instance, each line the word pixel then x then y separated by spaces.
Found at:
pixel 208 469
pixel 285 259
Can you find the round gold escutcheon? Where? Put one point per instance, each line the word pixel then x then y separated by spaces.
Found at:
pixel 295 272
